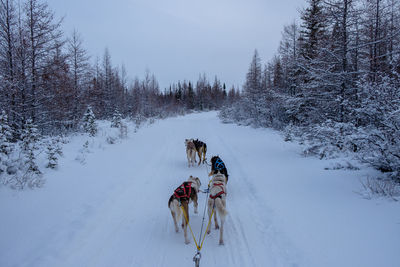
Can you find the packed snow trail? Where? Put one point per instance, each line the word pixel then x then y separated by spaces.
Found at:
pixel 283 209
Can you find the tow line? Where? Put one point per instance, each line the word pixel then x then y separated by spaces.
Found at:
pixel 197 256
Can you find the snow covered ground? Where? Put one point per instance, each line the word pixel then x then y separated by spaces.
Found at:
pixel 284 209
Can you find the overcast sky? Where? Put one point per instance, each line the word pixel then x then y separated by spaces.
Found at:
pixel 179 39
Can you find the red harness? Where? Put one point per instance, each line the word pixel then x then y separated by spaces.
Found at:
pixel 221 185
pixel 183 191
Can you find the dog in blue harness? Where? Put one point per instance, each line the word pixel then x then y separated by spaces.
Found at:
pixel 217 165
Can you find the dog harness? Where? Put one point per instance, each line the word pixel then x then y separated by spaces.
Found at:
pixel 219 194
pixel 183 191
pixel 219 165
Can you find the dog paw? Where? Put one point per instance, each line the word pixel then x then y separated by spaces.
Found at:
pixel 187 242
pixel 217 227
pixel 208 232
pixel 221 242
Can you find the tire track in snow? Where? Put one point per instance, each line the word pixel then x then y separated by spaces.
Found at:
pixel 156 172
pixel 279 246
pixel 121 218
pixel 237 246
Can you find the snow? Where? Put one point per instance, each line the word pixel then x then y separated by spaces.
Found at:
pixel 110 209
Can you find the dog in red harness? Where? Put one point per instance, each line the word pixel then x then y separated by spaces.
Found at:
pixel 181 198
pixel 217 202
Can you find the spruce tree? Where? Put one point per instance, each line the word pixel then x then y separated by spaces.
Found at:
pixel 313 29
pixel 89 122
pixel 30 138
pixel 116 119
pixel 5 134
pixel 253 88
pixel 5 145
pixel 51 152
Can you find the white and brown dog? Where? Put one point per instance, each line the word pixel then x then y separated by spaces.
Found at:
pixel 190 152
pixel 180 199
pixel 217 203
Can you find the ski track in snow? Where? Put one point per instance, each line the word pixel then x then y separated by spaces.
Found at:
pixel 124 219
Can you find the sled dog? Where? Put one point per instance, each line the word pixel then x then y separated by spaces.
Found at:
pixel 182 196
pixel 190 152
pixel 217 203
pixel 201 149
pixel 218 166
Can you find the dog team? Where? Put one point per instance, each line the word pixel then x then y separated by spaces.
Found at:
pixel 188 191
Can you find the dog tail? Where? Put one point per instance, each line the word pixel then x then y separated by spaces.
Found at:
pixel 220 207
pixel 173 205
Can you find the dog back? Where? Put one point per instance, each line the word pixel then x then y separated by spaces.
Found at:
pixel 190 146
pixel 200 145
pixel 184 191
pixel 218 187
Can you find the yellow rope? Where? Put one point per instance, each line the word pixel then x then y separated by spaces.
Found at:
pixel 209 222
pixel 204 237
pixel 187 222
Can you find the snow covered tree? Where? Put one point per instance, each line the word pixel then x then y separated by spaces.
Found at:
pixel 278 76
pixel 58 147
pixel 5 134
pixel 5 145
pixel 253 88
pixel 116 119
pixel 8 20
pixel 89 122
pixel 78 60
pixel 313 29
pixel 41 33
pixel 51 155
pixel 57 95
pixel 289 53
pixel 30 137
pixel 32 173
pixel 379 124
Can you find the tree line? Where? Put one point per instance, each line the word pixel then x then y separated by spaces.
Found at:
pixel 335 82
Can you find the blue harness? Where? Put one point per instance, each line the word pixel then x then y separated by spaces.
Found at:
pixel 219 165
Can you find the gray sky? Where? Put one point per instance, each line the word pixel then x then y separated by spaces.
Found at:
pixel 179 39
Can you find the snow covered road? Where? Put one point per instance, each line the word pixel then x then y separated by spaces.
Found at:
pixel 284 209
